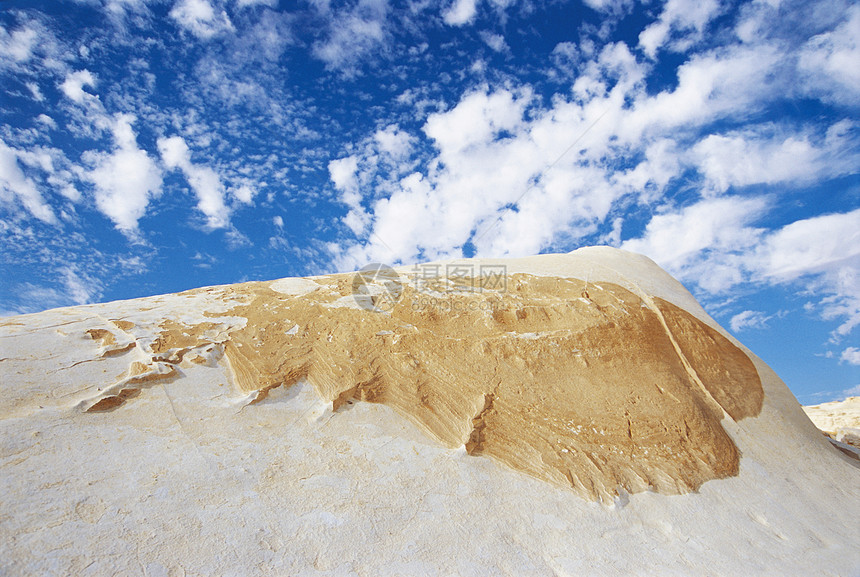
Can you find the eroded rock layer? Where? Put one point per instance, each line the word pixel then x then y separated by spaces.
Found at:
pixel 585 385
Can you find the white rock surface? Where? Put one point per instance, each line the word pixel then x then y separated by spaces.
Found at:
pixel 840 420
pixel 190 479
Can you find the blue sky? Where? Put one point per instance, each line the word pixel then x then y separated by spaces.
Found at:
pixel 150 146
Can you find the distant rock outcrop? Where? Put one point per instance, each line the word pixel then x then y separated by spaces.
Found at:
pixel 839 420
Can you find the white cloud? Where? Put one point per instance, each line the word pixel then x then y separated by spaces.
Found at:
pixel 394 142
pixel 35 91
pixel 17 46
pixel 679 16
pixel 278 221
pixel 851 355
pixel 14 184
pixel 47 121
pixel 512 182
pixel 755 157
pixel 343 173
pixel 246 3
pixel 353 34
pixel 201 18
pixel 828 62
pixel 120 9
pixel 824 251
pixel 713 244
pixel 244 194
pixel 749 320
pixel 476 120
pixel 126 179
pixel 710 86
pixel 494 41
pixel 609 6
pixel 703 242
pixel 203 180
pixel 509 175
pixel 461 12
pixel 80 288
pixel 73 86
pixel 810 246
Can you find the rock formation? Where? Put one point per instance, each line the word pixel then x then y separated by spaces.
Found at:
pixel 349 405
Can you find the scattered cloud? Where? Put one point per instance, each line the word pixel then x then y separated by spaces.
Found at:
pixel 80 288
pixel 495 41
pixel 73 86
pixel 352 34
pixel 461 12
pixel 753 156
pixel 749 320
pixel 15 185
pixel 244 194
pixel 201 18
pixel 247 3
pixel 851 355
pixel 809 246
pixel 203 180
pixel 704 242
pixel 125 179
pixel 17 45
pixel 685 18
pixel 828 61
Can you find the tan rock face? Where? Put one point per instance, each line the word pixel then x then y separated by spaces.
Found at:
pixel 584 385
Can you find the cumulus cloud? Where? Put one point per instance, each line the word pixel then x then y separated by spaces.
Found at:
pixel 686 18
pixel 495 41
pixel 125 179
pixel 710 86
pixel 244 194
pixel 705 241
pixel 461 12
pixel 755 157
pixel 201 18
pixel 828 62
pixel 388 150
pixel 394 142
pixel 343 173
pixel 17 46
pixel 477 119
pixel 609 6
pixel 512 178
pixel 203 180
pixel 809 246
pixel 851 355
pixel 73 86
pixel 826 248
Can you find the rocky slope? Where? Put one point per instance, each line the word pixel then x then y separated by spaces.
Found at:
pixel 560 414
